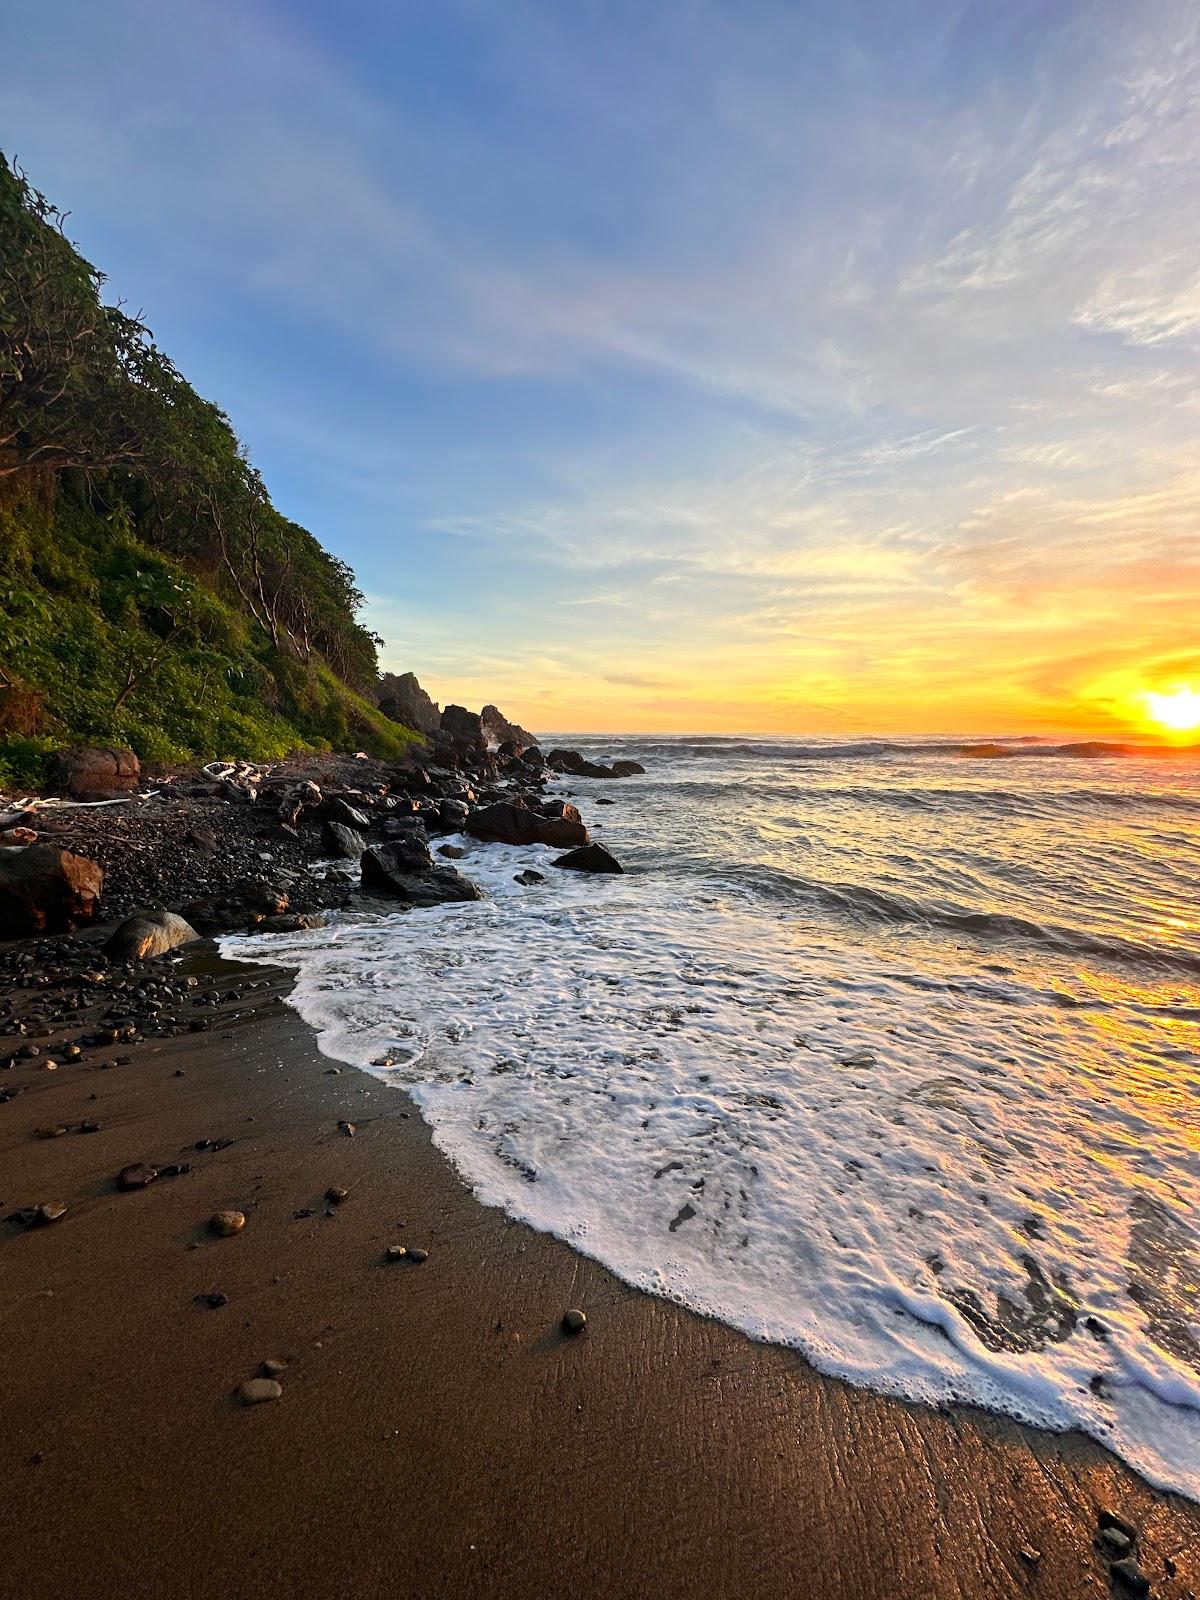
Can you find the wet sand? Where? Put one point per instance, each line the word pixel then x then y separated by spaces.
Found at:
pixel 438 1435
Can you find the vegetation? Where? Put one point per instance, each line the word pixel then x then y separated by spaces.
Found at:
pixel 150 593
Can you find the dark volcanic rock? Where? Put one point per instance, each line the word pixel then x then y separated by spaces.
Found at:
pixel 98 774
pixel 464 727
pixel 339 810
pixel 147 934
pixel 508 823
pixel 429 888
pixel 403 699
pixel 628 769
pixel 408 853
pixel 346 843
pixel 591 858
pixel 43 887
pixel 503 735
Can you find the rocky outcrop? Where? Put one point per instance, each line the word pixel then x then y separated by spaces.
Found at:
pixel 147 934
pixel 43 888
pixel 345 843
pixel 464 728
pixel 507 822
pixel 578 766
pixel 407 853
pixel 403 699
pixel 98 774
pixel 502 735
pixel 591 858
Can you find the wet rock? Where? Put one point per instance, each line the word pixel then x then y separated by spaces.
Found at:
pixel 1108 1518
pixel 628 769
pixel 1114 1543
pixel 408 852
pixel 226 1223
pixel 452 852
pixel 591 858
pixel 258 1391
pixel 508 822
pixel 348 816
pixel 574 1321
pixel 147 934
pixel 529 876
pixel 430 888
pixel 293 922
pixel 136 1176
pixel 44 888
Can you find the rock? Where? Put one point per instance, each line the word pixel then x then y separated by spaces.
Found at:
pixel 452 852
pixel 1129 1576
pixel 529 876
pixel 136 1176
pixel 49 1211
pixel 1114 1543
pixel 336 1195
pixel 418 1255
pixel 226 1223
pixel 293 922
pixel 89 774
pixel 1108 1518
pixel 592 858
pixel 212 1301
pixel 574 1321
pixel 452 814
pixel 407 853
pixel 395 1252
pixel 464 728
pixel 273 1366
pixel 426 888
pixel 339 810
pixel 509 823
pixel 403 700
pixel 257 1391
pixel 344 842
pixel 501 734
pixel 43 889
pixel 15 819
pixel 628 769
pixel 147 934
pixel 578 766
pixel 347 1128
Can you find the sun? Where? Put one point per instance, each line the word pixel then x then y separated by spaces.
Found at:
pixel 1177 710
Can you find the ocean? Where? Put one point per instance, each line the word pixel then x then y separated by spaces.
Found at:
pixel 883 1050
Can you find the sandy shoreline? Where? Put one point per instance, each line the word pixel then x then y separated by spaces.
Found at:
pixel 438 1435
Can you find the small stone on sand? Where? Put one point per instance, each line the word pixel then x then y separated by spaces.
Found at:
pixel 255 1391
pixel 396 1252
pixel 574 1321
pixel 418 1255
pixel 1116 1544
pixel 136 1176
pixel 49 1211
pixel 335 1196
pixel 226 1223
pixel 273 1366
pixel 347 1128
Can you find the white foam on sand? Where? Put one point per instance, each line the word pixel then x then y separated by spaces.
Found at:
pixel 942 1190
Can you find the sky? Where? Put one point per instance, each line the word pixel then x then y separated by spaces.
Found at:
pixel 693 366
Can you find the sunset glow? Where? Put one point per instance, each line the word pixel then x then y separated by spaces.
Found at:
pixel 1178 710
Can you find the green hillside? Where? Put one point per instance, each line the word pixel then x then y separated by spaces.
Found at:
pixel 150 593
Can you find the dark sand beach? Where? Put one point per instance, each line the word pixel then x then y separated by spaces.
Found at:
pixel 438 1435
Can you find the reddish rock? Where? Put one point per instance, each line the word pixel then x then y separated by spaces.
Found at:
pixel 99 774
pixel 43 888
pixel 507 823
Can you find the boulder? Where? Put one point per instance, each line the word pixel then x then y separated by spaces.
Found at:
pixel 43 888
pixel 339 810
pixel 453 814
pixel 88 774
pixel 408 853
pixel 292 922
pixel 570 761
pixel 628 769
pixel 346 843
pixel 147 934
pixel 591 858
pixel 509 823
pixel 429 888
pixel 464 728
pixel 403 700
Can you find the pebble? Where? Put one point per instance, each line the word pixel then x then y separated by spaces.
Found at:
pixel 418 1255
pixel 574 1320
pixel 273 1366
pixel 49 1133
pixel 49 1211
pixel 335 1196
pixel 136 1176
pixel 213 1301
pixel 347 1128
pixel 396 1252
pixel 1116 1544
pixel 255 1391
pixel 1130 1576
pixel 227 1223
